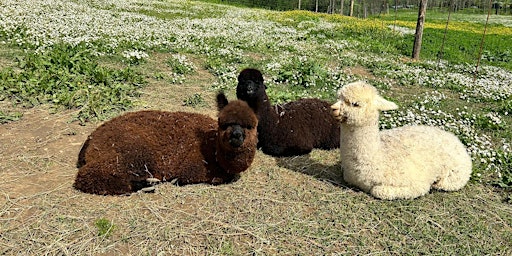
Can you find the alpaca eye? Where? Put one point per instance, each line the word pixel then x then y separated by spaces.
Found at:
pixel 355 104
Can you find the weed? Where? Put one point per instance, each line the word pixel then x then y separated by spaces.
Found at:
pixel 9 117
pixel 159 76
pixel 505 56
pixel 505 107
pixel 105 227
pixel 490 121
pixel 195 100
pixel 302 72
pixel 70 77
pixel 180 65
pixel 135 57
pixel 504 159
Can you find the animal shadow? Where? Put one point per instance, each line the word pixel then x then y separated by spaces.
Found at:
pixel 306 164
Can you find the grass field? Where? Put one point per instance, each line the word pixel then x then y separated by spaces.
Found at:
pixel 65 66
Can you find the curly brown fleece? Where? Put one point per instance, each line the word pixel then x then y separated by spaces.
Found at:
pixel 294 128
pixel 120 155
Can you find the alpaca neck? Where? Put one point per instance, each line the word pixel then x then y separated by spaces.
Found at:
pixel 360 145
pixel 267 115
pixel 235 160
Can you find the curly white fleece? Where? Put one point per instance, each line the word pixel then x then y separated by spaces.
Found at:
pixel 400 163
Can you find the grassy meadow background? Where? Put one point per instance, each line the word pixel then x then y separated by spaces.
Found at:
pixel 66 66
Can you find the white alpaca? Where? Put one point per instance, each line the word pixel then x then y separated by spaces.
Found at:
pixel 399 163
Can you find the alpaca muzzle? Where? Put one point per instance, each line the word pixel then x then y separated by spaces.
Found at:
pixel 236 138
pixel 336 111
pixel 251 88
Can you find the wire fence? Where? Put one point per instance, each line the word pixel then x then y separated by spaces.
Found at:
pixel 364 8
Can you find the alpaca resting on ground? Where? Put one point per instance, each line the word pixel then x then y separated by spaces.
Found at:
pixel 131 151
pixel 399 163
pixel 294 128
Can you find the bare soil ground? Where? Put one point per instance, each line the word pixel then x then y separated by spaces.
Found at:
pixel 280 206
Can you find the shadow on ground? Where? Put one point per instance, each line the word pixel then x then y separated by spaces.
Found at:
pixel 325 169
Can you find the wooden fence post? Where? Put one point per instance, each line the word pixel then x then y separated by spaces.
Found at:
pixel 419 30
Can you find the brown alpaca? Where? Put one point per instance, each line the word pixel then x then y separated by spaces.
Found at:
pixel 128 152
pixel 294 128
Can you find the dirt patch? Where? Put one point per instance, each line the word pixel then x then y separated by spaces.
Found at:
pixel 37 149
pixel 359 71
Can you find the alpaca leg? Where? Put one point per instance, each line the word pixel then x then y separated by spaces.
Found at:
pixel 454 180
pixel 458 171
pixel 391 193
pixel 103 179
pixel 81 156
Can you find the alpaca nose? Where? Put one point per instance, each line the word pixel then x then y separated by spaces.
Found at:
pixel 251 87
pixel 236 139
pixel 336 110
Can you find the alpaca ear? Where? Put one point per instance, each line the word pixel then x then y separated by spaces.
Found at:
pixel 222 101
pixel 383 104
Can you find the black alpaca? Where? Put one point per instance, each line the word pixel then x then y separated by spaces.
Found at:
pixel 291 129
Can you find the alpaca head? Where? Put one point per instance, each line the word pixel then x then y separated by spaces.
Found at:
pixel 250 86
pixel 359 104
pixel 236 131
